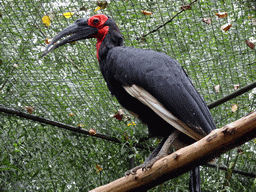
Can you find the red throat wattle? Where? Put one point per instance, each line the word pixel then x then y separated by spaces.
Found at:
pixel 102 30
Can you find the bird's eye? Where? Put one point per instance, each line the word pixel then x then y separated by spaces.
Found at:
pixel 96 21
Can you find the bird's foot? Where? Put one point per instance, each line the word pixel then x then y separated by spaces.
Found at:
pixel 150 163
pixel 145 166
pixel 134 170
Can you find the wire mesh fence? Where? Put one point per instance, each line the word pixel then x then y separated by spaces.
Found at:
pixel 213 40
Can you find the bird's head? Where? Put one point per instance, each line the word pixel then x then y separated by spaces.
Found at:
pixel 96 26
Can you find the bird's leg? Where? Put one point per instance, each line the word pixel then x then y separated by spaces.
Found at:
pixel 159 152
pixel 151 156
pixel 164 150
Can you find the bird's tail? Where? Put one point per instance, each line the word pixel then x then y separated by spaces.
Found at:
pixel 195 182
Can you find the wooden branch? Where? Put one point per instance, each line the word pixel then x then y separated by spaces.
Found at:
pixel 213 145
pixel 55 123
pixel 63 125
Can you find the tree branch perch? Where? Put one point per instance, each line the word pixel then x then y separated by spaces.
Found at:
pixel 213 145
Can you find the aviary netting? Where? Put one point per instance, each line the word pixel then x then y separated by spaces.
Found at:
pixel 213 40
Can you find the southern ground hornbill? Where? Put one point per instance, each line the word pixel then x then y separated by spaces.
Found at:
pixel 147 83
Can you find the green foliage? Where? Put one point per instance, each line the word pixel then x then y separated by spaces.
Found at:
pixel 39 157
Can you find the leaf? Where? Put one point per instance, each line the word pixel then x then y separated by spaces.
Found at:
pixel 226 27
pixel 35 174
pixel 207 20
pixel 98 168
pixel 146 12
pixel 131 124
pixel 186 7
pixel 83 8
pixel 46 20
pixel 131 155
pixel 81 125
pixel 234 107
pixel 92 131
pixel 102 4
pixel 222 1
pixel 250 44
pixel 126 136
pixel 47 41
pixel 119 115
pixel 236 86
pixel 68 15
pixel 97 8
pixel 221 14
pixel 29 109
pixel 217 88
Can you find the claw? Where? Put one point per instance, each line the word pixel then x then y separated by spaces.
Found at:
pixel 145 166
pixel 127 173
pixel 134 170
pixel 130 172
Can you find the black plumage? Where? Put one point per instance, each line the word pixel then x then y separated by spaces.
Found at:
pixel 164 79
pixel 148 83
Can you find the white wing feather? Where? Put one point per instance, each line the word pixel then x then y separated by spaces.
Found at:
pixel 147 99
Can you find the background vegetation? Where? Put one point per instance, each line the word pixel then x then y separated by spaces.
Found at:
pixel 67 86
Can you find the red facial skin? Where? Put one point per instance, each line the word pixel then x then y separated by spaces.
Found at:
pixel 102 30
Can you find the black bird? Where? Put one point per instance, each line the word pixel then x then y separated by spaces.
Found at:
pixel 147 83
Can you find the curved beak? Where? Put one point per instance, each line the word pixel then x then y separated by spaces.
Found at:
pixel 78 30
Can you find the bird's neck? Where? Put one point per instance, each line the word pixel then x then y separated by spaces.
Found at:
pixel 108 41
pixel 100 38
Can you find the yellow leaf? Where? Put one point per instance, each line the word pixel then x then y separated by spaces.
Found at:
pixel 97 8
pixel 46 20
pixel 131 124
pixel 68 14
